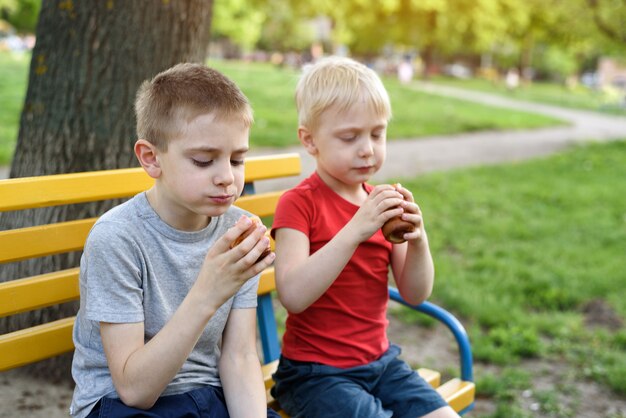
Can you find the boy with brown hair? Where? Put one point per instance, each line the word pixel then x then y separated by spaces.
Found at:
pixel 166 325
pixel 332 260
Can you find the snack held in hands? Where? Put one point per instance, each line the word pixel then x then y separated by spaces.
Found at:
pixel 256 222
pixel 395 228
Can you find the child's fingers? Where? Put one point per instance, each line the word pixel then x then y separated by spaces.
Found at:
pixel 232 235
pixel 410 207
pixel 384 191
pixel 417 234
pixel 406 193
pixel 380 188
pixel 392 204
pixel 254 237
pixel 413 218
pixel 261 263
pixel 391 212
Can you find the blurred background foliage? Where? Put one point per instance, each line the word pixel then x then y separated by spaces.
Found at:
pixel 550 39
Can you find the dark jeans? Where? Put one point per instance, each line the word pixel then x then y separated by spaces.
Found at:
pixel 384 388
pixel 206 402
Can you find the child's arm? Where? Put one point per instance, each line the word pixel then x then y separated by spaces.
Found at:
pixel 302 278
pixel 140 370
pixel 411 262
pixel 240 369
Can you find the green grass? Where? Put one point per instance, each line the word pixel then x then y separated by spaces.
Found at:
pixel 271 90
pixel 521 249
pixel 579 97
pixel 13 82
pixel 415 114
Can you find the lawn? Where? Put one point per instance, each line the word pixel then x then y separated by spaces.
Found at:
pixel 526 253
pixel 271 90
pixel 578 97
pixel 415 114
pixel 13 82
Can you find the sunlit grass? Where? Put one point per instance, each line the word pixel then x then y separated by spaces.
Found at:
pixel 578 97
pixel 415 114
pixel 521 249
pixel 271 89
pixel 419 114
pixel 13 82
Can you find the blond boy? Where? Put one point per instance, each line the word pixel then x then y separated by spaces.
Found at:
pixel 332 260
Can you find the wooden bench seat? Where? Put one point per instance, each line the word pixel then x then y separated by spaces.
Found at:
pixel 51 339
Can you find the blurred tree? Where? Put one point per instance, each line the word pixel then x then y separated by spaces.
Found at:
pixel 239 21
pixel 610 18
pixel 22 14
pixel 510 32
pixel 271 25
pixel 285 28
pixel 89 60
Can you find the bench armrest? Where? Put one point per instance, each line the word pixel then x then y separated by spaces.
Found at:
pixel 440 314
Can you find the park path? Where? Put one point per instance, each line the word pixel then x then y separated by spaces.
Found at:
pixel 410 157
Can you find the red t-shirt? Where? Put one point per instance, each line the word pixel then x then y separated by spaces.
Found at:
pixel 347 325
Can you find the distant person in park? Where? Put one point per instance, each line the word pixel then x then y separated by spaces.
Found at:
pixel 405 70
pixel 332 260
pixel 167 319
pixel 512 79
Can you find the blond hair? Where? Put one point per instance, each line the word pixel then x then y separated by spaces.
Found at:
pixel 338 82
pixel 174 97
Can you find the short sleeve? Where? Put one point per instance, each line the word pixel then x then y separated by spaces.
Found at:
pixel 111 275
pixel 293 211
pixel 246 297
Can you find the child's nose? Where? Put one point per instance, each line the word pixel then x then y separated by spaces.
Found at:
pixel 225 175
pixel 367 148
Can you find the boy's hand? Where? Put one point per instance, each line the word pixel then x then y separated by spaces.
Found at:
pixel 412 214
pixel 226 269
pixel 383 203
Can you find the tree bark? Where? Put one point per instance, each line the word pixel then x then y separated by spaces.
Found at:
pixel 89 60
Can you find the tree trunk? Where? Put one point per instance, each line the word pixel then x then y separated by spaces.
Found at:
pixel 89 60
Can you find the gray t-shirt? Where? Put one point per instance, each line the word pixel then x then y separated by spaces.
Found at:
pixel 137 268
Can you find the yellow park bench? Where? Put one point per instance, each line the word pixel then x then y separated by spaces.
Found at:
pixel 53 338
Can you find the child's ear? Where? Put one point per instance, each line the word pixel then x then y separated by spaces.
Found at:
pixel 306 138
pixel 146 153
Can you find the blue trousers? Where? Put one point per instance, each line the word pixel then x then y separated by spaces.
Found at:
pixel 383 388
pixel 206 402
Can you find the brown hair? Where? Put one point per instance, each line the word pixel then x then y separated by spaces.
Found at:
pixel 176 96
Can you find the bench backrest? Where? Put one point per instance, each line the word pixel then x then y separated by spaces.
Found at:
pixel 31 293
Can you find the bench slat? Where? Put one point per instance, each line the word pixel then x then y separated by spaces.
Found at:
pixel 49 289
pixel 272 166
pixel 23 347
pixel 267 283
pixel 261 205
pixel 63 189
pixel 36 343
pixel 268 370
pixel 433 377
pixel 39 241
pixel 458 393
pixel 38 291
